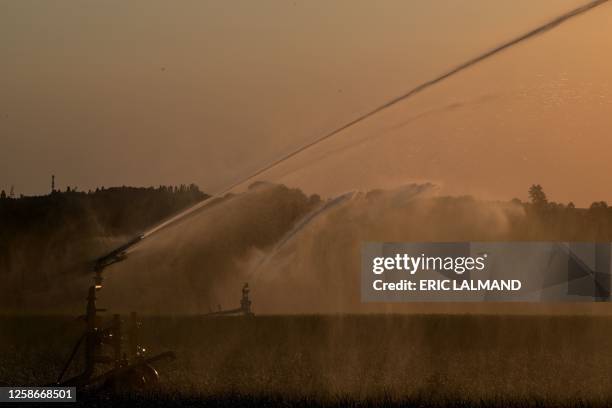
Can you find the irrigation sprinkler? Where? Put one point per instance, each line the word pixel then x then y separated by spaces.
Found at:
pixel 243 310
pixel 107 364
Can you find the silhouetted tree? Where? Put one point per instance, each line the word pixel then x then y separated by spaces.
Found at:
pixel 2 195
pixel 314 199
pixel 571 205
pixel 599 205
pixel 537 195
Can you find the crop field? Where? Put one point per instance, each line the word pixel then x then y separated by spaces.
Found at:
pixel 412 360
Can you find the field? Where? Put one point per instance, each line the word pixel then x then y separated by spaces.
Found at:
pixel 415 360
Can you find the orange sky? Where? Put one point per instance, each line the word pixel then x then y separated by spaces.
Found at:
pixel 159 92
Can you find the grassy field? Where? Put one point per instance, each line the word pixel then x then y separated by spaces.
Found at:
pixel 423 360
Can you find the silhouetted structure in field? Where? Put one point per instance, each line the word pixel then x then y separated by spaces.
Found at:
pixel 244 309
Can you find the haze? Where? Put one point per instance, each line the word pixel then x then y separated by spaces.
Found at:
pixel 153 92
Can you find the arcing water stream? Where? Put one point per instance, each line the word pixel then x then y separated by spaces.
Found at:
pixel 551 24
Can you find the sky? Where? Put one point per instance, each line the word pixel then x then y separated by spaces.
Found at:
pixel 159 92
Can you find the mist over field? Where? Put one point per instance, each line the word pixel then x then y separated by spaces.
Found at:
pixel 301 254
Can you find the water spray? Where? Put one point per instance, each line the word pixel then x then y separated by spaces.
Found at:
pixel 555 22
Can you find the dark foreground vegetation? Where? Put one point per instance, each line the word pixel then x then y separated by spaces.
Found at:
pixel 389 360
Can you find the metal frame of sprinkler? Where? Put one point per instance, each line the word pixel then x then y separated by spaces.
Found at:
pixel 127 369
